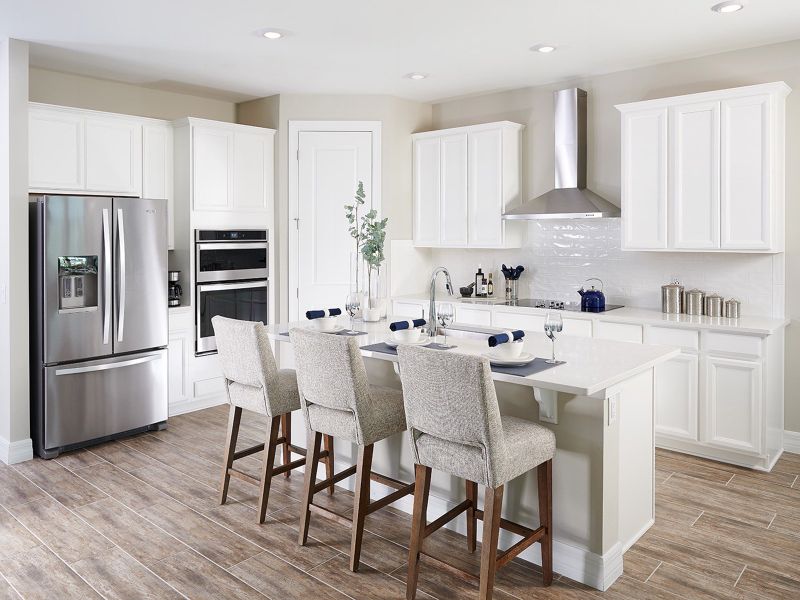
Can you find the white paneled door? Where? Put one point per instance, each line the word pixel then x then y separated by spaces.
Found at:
pixel 330 165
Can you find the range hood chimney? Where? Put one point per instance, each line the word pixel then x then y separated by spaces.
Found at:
pixel 570 199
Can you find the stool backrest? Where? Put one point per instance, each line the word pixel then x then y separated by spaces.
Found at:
pixel 245 354
pixel 330 370
pixel 451 396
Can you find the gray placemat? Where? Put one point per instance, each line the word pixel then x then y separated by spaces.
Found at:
pixel 537 365
pixel 343 332
pixel 387 349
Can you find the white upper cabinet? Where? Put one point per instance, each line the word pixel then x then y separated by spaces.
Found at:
pixel 464 179
pixel 157 170
pixel 722 186
pixel 232 167
pixel 113 155
pixel 55 149
pixel 644 179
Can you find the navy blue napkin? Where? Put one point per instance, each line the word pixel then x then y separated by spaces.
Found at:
pixel 400 325
pixel 502 338
pixel 318 314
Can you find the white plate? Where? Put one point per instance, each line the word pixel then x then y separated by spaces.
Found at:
pixel 522 359
pixel 336 329
pixel 392 343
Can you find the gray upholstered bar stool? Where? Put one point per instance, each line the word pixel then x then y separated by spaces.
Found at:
pixel 253 382
pixel 337 400
pixel 455 426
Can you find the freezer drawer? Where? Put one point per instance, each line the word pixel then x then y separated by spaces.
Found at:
pixel 94 399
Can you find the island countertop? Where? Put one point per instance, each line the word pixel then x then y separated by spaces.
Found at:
pixel 591 365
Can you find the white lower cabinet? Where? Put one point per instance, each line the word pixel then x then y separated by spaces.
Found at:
pixel 620 332
pixel 402 308
pixel 179 349
pixel 676 397
pixel 473 316
pixel 733 399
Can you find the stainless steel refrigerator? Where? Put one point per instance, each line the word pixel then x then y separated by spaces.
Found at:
pixel 98 319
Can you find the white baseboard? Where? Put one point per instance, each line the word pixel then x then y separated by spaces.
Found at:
pixel 16 452
pixel 791 441
pixel 186 406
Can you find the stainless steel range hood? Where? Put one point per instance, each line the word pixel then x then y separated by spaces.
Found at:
pixel 570 199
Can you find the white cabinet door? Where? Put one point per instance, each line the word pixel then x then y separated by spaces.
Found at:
pixel 212 168
pixel 178 350
pixel 512 320
pixel 694 176
pixel 676 395
pixel 485 188
pixel 746 173
pixel 408 309
pixel 113 156
pixel 453 214
pixel 55 150
pixel 252 168
pixel 427 191
pixel 733 397
pixel 473 316
pixel 157 170
pixel 644 179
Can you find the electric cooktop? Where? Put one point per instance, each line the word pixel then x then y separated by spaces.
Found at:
pixel 555 304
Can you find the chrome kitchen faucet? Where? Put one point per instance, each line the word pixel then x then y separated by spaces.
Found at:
pixel 432 309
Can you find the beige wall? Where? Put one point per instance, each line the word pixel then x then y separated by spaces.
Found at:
pixel 533 108
pixel 66 89
pixel 399 118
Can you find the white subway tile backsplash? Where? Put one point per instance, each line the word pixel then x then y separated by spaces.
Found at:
pixel 560 255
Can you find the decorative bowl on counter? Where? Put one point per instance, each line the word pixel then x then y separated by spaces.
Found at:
pixel 509 349
pixel 325 323
pixel 407 336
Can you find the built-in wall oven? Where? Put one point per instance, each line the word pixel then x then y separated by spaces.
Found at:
pixel 231 279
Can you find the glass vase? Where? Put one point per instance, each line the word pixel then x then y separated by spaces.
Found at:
pixel 374 303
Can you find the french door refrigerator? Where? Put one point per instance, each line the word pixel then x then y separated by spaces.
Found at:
pixel 98 319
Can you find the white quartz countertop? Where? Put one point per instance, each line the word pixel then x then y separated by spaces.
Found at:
pixel 591 366
pixel 755 325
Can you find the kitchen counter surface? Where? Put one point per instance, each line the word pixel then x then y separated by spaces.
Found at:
pixel 592 365
pixel 751 325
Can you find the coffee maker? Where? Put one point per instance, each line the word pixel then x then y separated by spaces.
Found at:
pixel 175 290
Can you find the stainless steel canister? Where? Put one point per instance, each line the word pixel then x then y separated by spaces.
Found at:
pixel 672 298
pixel 732 307
pixel 714 305
pixel 693 302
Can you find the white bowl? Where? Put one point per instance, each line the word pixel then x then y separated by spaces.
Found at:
pixel 408 336
pixel 325 323
pixel 509 349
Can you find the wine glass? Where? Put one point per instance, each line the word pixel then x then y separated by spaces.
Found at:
pixel 352 305
pixel 445 314
pixel 552 325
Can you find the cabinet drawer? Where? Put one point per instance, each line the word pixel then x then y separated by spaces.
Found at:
pixel 578 327
pixel 473 316
pixel 732 343
pixel 669 336
pixel 512 320
pixel 407 309
pixel 621 332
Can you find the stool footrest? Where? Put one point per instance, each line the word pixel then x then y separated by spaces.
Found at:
pixel 331 514
pixel 248 451
pixel 388 481
pixel 298 450
pixel 449 567
pixel 503 558
pixel 288 467
pixel 243 476
pixel 348 472
pixel 510 526
pixel 446 518
pixel 387 500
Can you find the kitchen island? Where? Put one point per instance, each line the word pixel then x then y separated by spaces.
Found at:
pixel 599 405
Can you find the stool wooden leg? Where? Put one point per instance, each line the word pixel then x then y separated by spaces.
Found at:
pixel 312 461
pixel 328 441
pixel 493 503
pixel 361 503
pixel 472 519
pixel 544 473
pixel 286 429
pixel 267 467
pixel 234 419
pixel 419 521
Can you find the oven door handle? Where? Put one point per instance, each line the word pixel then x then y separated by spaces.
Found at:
pixel 234 285
pixel 232 246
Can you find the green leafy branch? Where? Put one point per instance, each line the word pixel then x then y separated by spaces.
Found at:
pixel 369 232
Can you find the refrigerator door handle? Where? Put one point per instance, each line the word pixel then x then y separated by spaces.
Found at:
pixel 122 260
pixel 106 277
pixel 107 366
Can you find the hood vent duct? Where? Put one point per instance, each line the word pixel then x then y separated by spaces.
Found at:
pixel 570 199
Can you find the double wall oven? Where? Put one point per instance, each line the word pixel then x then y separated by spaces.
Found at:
pixel 231 276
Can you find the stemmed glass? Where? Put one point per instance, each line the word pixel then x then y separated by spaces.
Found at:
pixel 352 305
pixel 445 313
pixel 552 325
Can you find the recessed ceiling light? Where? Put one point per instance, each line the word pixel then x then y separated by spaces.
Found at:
pixel 271 34
pixel 543 48
pixel 417 76
pixel 727 7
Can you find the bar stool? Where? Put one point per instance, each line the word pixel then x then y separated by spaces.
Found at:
pixel 253 382
pixel 455 426
pixel 337 400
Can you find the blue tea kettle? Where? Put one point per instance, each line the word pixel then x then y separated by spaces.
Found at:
pixel 592 300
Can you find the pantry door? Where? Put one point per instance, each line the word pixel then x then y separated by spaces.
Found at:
pixel 329 159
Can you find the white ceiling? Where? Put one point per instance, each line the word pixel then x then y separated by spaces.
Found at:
pixel 367 46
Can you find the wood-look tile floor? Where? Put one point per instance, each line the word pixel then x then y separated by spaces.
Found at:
pixel 138 518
